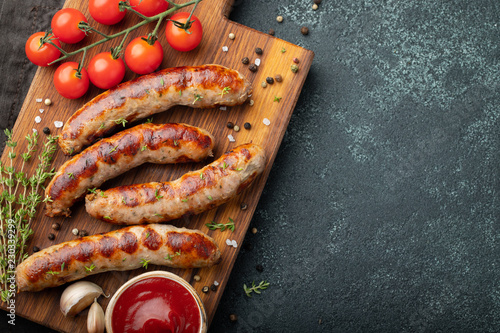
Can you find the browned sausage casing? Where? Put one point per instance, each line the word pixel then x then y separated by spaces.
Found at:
pixel 193 193
pixel 199 87
pixel 119 250
pixel 161 144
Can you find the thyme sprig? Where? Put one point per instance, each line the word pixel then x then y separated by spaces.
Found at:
pixel 19 199
pixel 222 226
pixel 255 288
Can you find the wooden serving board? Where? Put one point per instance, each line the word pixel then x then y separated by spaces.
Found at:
pixel 43 307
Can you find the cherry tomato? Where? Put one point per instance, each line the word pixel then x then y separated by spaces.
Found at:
pixel 68 84
pixel 65 25
pixel 106 11
pixel 106 72
pixel 41 56
pixel 178 38
pixel 141 57
pixel 149 7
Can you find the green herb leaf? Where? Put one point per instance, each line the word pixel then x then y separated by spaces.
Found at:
pixel 170 257
pixel 225 91
pixel 255 288
pixel 222 226
pixel 89 269
pixel 197 97
pixel 122 121
pixel 145 263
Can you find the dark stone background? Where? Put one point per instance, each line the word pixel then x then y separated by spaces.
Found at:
pixel 381 210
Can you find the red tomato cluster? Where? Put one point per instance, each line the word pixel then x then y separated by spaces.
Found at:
pixel 105 70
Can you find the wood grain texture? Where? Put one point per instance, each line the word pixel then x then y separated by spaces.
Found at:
pixel 43 307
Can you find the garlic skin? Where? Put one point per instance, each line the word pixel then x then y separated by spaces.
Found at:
pixel 78 296
pixel 95 319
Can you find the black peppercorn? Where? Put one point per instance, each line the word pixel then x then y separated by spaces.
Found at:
pixel 243 206
pixel 46 130
pixel 269 80
pixel 56 226
pixel 83 233
pixel 253 68
pixel 205 289
pixel 258 50
pixel 245 61
pixel 247 126
pixel 36 249
pixel 304 31
pixel 259 268
pixel 233 317
pixel 271 32
pixel 278 78
pixel 229 125
pixel 317 2
pixel 52 237
pixel 213 287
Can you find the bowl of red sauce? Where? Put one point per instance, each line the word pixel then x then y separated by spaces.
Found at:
pixel 156 302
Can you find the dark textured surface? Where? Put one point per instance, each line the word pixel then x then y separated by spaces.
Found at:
pixel 381 211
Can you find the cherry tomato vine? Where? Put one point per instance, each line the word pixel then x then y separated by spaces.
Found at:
pixel 150 39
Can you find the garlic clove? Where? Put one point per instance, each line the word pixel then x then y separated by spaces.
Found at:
pixel 78 296
pixel 95 319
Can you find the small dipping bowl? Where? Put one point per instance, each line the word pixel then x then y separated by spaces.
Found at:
pixel 156 302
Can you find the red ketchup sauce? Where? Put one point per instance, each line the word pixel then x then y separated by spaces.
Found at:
pixel 156 305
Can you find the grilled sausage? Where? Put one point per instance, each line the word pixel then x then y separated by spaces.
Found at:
pixel 193 193
pixel 119 250
pixel 199 87
pixel 161 144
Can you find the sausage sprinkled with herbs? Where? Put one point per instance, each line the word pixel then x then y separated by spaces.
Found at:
pixel 160 144
pixel 204 86
pixel 193 193
pixel 119 250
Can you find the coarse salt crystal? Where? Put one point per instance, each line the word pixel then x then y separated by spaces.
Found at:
pixel 39 100
pixel 231 138
pixel 257 62
pixel 38 119
pixel 41 110
pixel 225 49
pixel 228 242
pixel 58 124
pixel 216 283
pixel 234 243
pixel 266 122
pixel 223 108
